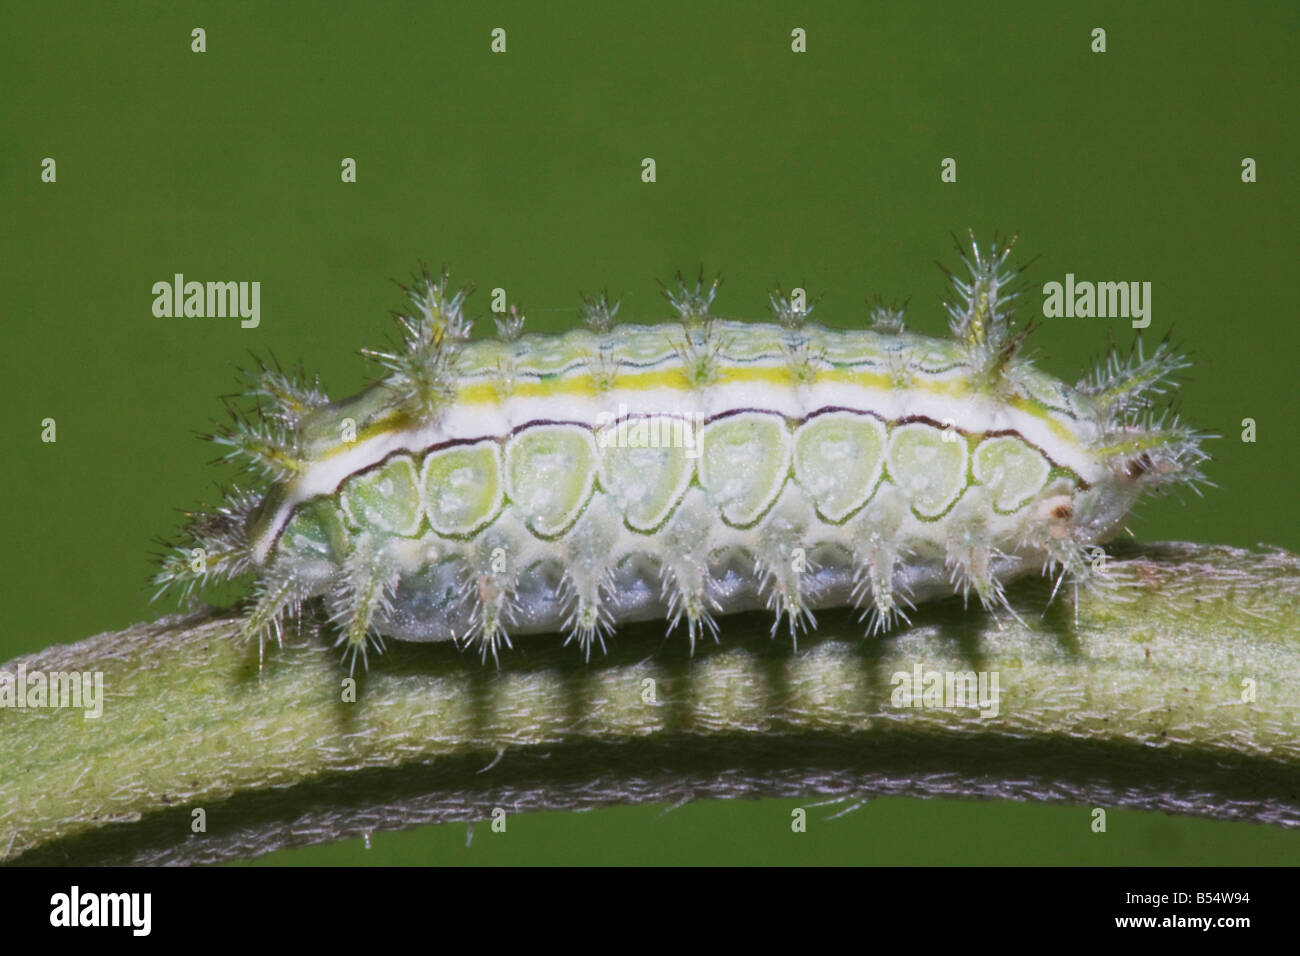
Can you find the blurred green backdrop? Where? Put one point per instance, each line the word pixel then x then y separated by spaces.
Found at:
pixel 522 170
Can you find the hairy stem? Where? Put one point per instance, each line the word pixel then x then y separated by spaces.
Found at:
pixel 1177 688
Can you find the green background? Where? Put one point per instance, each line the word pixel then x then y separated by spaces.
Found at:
pixel 522 170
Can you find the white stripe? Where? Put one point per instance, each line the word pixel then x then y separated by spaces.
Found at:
pixel 969 414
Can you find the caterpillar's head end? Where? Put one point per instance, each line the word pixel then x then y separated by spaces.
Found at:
pixel 1146 445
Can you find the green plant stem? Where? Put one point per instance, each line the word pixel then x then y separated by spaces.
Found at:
pixel 1177 689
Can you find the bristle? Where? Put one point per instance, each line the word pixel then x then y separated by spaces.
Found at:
pixel 901 367
pixel 1123 386
pixel 780 563
pixel 782 589
pixel 786 312
pixel 803 360
pixel 700 351
pixel 281 396
pixel 438 311
pixel 588 621
pixel 603 368
pixel 683 572
pixel 278 597
pixel 1156 449
pixel 1144 443
pixel 877 555
pixel 512 326
pixel 490 632
pixel 875 579
pixel 598 312
pixel 588 580
pixel 982 315
pixel 1055 526
pixel 361 595
pixel 688 599
pixel 692 305
pixel 491 584
pixel 491 591
pixel 216 548
pixel 422 371
pixel 265 445
pixel 971 555
pixel 886 319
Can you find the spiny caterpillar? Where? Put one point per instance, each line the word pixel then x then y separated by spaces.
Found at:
pixel 535 483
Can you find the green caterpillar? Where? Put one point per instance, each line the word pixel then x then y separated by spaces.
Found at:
pixel 572 482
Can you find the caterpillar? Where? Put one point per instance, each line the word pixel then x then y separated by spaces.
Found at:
pixel 485 489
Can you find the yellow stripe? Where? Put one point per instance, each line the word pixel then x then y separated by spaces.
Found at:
pixel 583 385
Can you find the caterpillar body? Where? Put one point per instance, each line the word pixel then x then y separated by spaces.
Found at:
pixel 487 489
